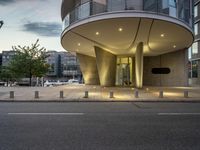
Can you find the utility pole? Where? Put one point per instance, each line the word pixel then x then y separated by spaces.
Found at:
pixel 1 23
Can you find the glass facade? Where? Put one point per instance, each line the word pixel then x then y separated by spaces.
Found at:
pixel 194 69
pixel 195 48
pixel 196 11
pixel 196 28
pixel 161 6
pixel 175 8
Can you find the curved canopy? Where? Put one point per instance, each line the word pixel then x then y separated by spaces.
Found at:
pixel 120 35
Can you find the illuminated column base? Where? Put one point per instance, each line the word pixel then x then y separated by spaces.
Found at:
pixel 89 69
pixel 106 64
pixel 139 66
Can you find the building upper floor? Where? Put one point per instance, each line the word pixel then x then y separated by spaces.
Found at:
pixel 75 10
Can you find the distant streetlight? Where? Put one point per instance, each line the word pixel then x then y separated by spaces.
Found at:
pixel 1 23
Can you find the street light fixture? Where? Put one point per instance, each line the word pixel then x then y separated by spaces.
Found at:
pixel 1 23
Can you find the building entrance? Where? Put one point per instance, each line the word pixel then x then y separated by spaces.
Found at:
pixel 124 71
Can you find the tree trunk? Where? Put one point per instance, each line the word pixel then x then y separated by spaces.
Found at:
pixel 30 74
pixel 7 82
pixel 30 80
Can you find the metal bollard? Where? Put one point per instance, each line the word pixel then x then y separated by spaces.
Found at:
pixel 61 94
pixel 136 94
pixel 186 94
pixel 86 94
pixel 161 94
pixel 111 94
pixel 36 94
pixel 12 94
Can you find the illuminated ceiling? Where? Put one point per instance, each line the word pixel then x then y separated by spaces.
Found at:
pixel 121 35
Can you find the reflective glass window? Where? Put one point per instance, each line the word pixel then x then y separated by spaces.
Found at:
pixel 163 6
pixel 196 29
pixel 195 69
pixel 99 6
pixel 116 5
pixel 84 10
pixel 172 12
pixel 190 53
pixel 66 21
pixel 196 11
pixel 134 5
pixel 195 48
pixel 150 5
pixel 172 3
pixel 184 10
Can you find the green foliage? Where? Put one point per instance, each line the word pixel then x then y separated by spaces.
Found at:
pixel 5 73
pixel 29 61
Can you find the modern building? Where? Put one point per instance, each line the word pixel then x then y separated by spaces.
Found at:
pixel 7 57
pixel 1 23
pixel 63 65
pixel 129 42
pixel 194 53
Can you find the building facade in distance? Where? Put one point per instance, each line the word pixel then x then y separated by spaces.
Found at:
pixel 7 57
pixel 63 65
pixel 129 42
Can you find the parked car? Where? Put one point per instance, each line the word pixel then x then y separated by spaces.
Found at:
pixel 73 81
pixel 48 83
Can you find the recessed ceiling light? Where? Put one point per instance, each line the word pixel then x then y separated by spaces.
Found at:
pixel 120 29
pixel 79 44
pixel 97 33
pixel 162 35
pixel 174 46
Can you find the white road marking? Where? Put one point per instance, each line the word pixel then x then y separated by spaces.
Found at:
pixel 53 114
pixel 177 114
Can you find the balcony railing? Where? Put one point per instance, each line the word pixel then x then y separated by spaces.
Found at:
pixel 90 8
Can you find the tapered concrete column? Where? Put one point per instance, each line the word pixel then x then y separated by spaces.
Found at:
pixel 89 69
pixel 106 65
pixel 139 66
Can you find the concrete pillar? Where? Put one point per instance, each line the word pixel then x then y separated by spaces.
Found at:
pixel 106 65
pixel 12 94
pixel 139 66
pixel 61 94
pixel 36 94
pixel 133 70
pixel 89 69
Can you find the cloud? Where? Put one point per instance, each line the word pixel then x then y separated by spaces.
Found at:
pixel 43 28
pixel 6 2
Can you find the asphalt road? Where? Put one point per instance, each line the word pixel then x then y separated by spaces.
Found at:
pixel 99 126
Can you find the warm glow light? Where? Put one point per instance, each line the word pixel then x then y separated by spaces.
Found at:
pixel 97 33
pixel 79 44
pixel 174 46
pixel 77 50
pixel 162 35
pixel 120 29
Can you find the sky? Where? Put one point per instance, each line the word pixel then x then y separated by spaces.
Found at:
pixel 25 21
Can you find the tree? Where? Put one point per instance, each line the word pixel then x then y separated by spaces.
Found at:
pixel 29 61
pixel 5 74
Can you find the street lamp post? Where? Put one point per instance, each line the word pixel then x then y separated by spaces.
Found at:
pixel 1 23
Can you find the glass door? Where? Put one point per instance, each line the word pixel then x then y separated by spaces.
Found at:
pixel 124 71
